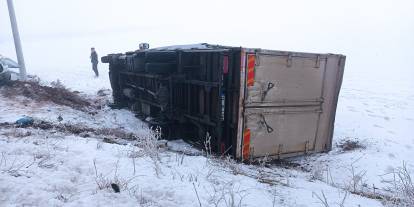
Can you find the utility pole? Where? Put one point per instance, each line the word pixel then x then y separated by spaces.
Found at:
pixel 16 37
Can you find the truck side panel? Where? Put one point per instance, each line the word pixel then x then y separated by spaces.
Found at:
pixel 289 103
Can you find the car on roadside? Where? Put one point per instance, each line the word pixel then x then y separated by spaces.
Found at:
pixel 5 72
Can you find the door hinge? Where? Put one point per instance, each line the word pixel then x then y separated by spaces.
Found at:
pixel 289 61
pixel 306 147
pixel 318 62
pixel 279 151
pixel 257 62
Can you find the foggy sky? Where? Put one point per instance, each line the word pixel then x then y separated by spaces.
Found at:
pixel 375 35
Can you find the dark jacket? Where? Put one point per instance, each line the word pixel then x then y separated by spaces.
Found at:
pixel 94 57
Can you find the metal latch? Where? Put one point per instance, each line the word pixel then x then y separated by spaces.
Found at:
pixel 306 146
pixel 270 85
pixel 269 129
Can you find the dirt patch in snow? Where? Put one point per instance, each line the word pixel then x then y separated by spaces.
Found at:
pixel 76 129
pixel 350 144
pixel 56 94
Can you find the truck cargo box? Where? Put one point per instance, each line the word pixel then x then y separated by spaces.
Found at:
pixel 251 102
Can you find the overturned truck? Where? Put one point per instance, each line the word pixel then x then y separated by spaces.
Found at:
pixel 251 102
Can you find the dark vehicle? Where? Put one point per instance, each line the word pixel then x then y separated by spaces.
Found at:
pixel 252 102
pixel 5 72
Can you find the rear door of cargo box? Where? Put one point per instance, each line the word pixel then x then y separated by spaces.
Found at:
pixel 284 112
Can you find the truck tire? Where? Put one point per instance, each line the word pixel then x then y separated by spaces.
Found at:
pixel 118 96
pixel 160 68
pixel 106 59
pixel 5 78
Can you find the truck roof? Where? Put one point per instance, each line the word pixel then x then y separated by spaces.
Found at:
pixel 199 46
pixel 211 47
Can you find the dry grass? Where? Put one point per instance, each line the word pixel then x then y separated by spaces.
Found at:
pixel 56 94
pixel 229 194
pixel 402 187
pixel 324 201
pixel 108 182
pixel 350 145
pixel 77 129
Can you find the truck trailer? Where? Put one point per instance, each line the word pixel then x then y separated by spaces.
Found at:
pixel 246 102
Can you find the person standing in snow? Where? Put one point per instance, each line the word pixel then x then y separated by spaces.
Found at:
pixel 94 61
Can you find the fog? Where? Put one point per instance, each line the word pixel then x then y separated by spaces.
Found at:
pixel 376 36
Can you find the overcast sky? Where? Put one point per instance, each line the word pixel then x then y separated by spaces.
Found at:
pixel 374 34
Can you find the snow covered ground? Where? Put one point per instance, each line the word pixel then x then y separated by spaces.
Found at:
pixel 52 168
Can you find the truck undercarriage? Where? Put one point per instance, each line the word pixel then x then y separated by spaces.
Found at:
pixel 245 102
pixel 188 93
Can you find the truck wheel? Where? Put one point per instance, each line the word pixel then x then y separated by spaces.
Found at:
pixel 118 96
pixel 5 78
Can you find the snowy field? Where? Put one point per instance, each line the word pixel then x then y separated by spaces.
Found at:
pixel 52 168
pixel 55 168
